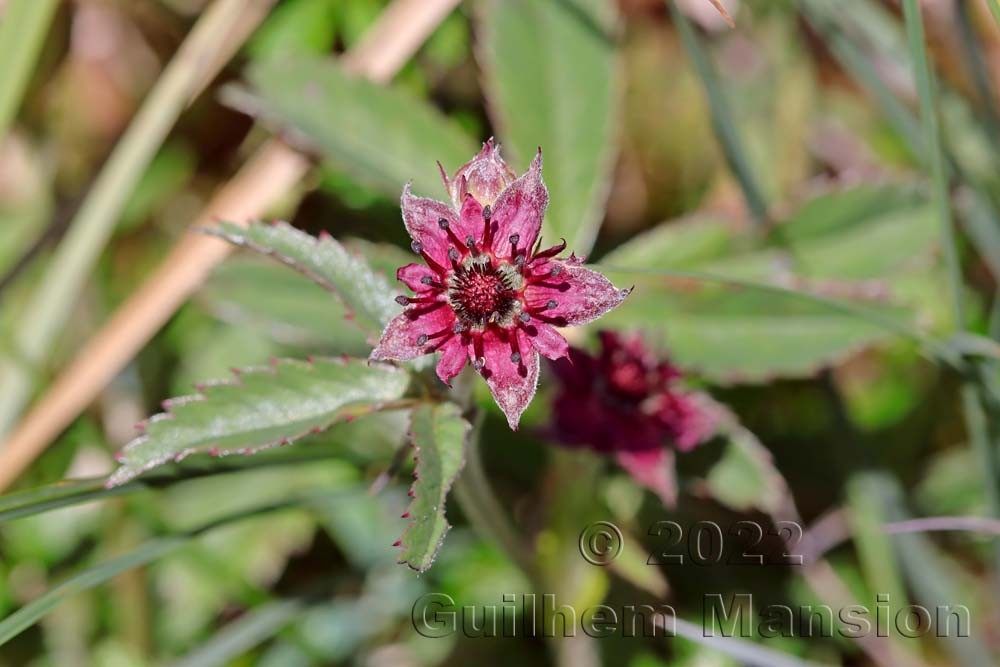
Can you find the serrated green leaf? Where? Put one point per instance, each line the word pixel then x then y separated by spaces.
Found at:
pixel 373 437
pixel 263 407
pixel 365 293
pixel 863 246
pixel 438 432
pixel 551 73
pixel 382 136
pixel 289 308
pixel 680 244
pixel 732 334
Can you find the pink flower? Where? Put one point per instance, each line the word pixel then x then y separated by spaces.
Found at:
pixel 487 292
pixel 627 403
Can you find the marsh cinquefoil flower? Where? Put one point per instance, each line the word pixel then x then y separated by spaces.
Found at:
pixel 487 292
pixel 628 403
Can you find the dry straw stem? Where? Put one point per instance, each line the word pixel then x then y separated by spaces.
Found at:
pixel 266 178
pixel 74 259
pixel 722 10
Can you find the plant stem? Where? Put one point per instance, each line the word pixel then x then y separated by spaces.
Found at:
pixel 484 511
pixel 90 230
pixel 723 123
pixel 935 155
pixel 475 494
pixel 972 392
pixel 22 34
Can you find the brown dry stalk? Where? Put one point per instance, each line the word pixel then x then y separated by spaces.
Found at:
pixel 722 10
pixel 265 179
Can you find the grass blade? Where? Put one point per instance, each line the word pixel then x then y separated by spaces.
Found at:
pixel 722 121
pixel 29 614
pixel 22 34
pixel 243 634
pixel 935 153
pixel 746 652
pixel 94 576
pixel 927 572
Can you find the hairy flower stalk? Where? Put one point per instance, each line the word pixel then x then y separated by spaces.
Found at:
pixel 487 291
pixel 628 403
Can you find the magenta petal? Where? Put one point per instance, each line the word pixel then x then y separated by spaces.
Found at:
pixel 484 177
pixel 580 295
pixel 399 340
pixel 518 211
pixel 470 220
pixel 513 383
pixel 453 357
pixel 654 469
pixel 411 275
pixel 422 217
pixel 547 340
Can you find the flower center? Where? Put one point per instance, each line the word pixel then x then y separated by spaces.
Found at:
pixel 481 293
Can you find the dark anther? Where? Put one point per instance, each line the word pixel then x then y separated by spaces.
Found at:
pixel 515 357
pixel 452 254
pixel 443 223
pixel 487 212
pixel 551 304
pixel 479 364
pixel 524 317
pixel 556 269
pixel 458 328
pixel 514 238
pixel 470 242
pixel 426 280
pixel 519 261
pixel 421 339
pixel 417 247
pixel 402 300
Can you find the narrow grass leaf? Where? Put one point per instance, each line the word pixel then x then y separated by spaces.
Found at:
pixel 144 554
pixel 723 123
pixel 250 630
pixel 22 35
pixel 929 574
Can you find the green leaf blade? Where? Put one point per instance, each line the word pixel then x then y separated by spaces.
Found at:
pixel 264 407
pixel 551 74
pixel 356 124
pixel 367 294
pixel 439 433
pixel 862 250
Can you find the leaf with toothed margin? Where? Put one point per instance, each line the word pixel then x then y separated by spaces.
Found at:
pixel 438 433
pixel 381 136
pixel 262 407
pixel 367 294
